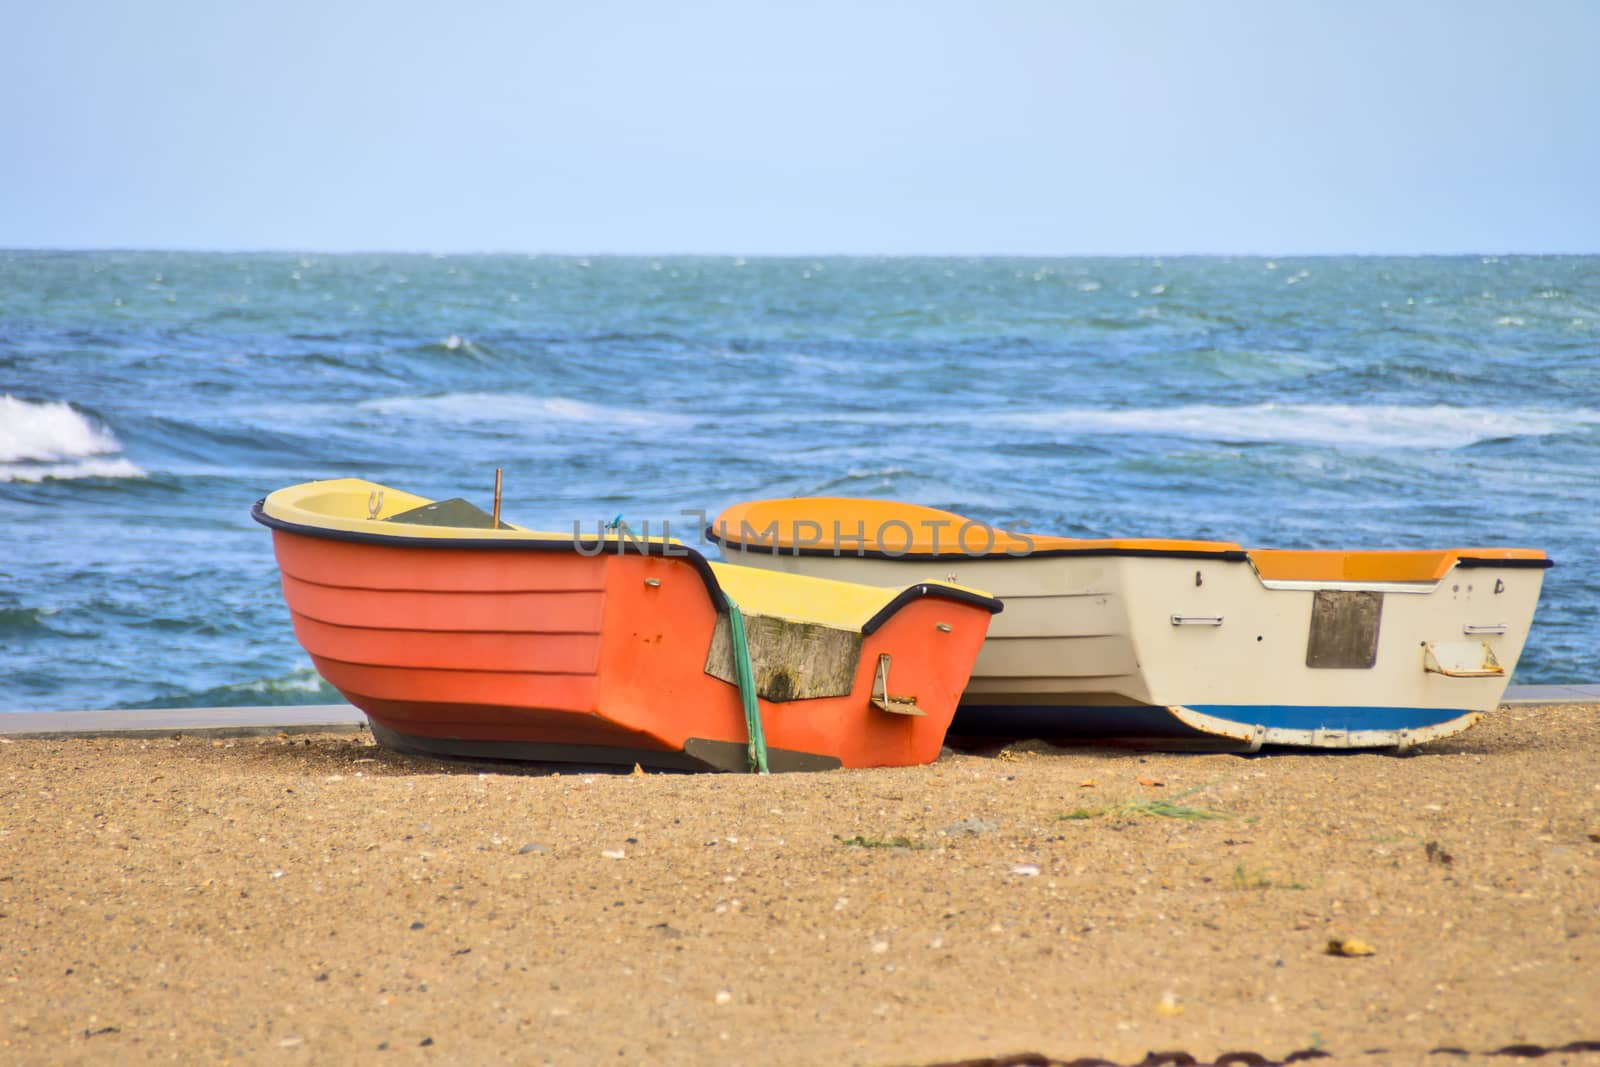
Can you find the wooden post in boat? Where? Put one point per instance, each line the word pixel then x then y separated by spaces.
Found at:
pixel 497 472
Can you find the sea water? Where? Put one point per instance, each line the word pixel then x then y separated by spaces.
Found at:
pixel 148 399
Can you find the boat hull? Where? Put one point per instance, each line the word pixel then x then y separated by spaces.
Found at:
pixel 1200 645
pixel 530 649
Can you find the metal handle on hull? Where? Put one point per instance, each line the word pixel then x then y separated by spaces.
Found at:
pixel 1461 659
pixel 880 692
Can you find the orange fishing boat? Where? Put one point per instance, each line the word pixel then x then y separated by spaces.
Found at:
pixel 460 635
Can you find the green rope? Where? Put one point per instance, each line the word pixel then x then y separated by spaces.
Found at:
pixel 747 687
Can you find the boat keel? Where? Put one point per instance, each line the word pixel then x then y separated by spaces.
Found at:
pixel 699 754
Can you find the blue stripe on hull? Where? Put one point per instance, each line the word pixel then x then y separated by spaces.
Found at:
pixel 1326 717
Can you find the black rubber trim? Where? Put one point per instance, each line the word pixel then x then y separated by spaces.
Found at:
pixel 941 592
pixel 591 547
pixel 1230 555
pixel 596 547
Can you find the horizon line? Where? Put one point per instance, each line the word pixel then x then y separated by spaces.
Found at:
pixel 557 254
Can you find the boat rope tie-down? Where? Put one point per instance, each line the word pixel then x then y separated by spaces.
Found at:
pixel 747 686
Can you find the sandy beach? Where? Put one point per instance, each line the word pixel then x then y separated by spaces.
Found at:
pixel 318 899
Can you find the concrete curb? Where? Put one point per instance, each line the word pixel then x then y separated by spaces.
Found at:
pixel 345 718
pixel 1552 694
pixel 197 722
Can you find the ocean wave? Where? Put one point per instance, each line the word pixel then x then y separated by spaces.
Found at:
pixel 21 620
pixel 860 478
pixel 458 346
pixel 1386 426
pixel 88 468
pixel 512 407
pixel 300 686
pixel 50 430
pixel 42 440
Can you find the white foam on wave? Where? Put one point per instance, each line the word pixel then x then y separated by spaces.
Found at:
pixel 1382 426
pixel 855 476
pixel 88 468
pixel 520 409
pixel 303 679
pixel 51 439
pixel 48 431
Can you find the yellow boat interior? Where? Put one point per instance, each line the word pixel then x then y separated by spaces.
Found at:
pixel 354 509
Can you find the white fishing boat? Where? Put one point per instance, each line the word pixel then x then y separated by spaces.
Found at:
pixel 1145 638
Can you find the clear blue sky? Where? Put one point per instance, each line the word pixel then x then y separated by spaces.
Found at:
pixel 747 127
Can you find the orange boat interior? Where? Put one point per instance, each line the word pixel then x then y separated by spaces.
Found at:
pixel 888 529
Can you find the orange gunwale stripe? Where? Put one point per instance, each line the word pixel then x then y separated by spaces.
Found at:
pixel 1401 565
pixel 851 526
pixel 817 524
